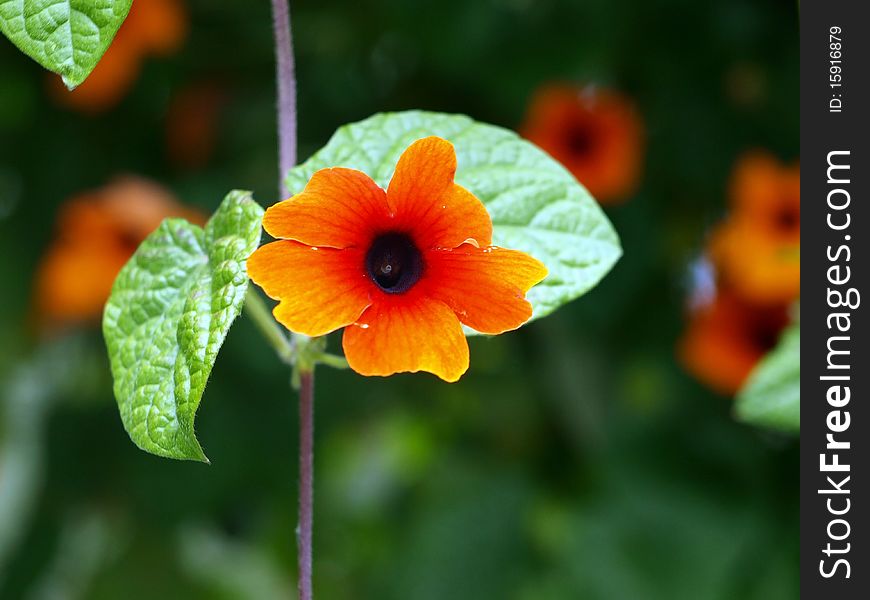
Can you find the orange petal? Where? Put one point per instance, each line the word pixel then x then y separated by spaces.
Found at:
pixel 158 25
pixel 84 218
pixel 485 286
pixel 109 82
pixel 425 201
pixel 320 289
pixel 407 333
pixel 596 134
pixel 339 208
pixel 766 192
pixel 760 267
pixel 717 356
pixel 755 182
pixel 75 277
pixel 137 206
pixel 725 340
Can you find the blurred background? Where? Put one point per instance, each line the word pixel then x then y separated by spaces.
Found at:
pixel 593 454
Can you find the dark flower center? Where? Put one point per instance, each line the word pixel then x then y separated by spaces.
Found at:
pixel 394 263
pixel 764 338
pixel 580 139
pixel 765 329
pixel 788 217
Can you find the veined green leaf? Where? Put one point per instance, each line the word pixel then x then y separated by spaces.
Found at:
pixel 65 36
pixel 771 396
pixel 536 205
pixel 169 312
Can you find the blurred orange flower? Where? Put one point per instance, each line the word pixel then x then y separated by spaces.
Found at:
pixel 757 249
pixel 596 134
pixel 400 269
pixel 97 232
pixel 755 268
pixel 191 124
pixel 153 27
pixel 725 339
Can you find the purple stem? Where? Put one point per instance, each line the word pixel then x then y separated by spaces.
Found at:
pixel 286 77
pixel 306 481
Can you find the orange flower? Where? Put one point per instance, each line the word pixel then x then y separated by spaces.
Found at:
pixel 399 269
pixel 727 338
pixel 595 134
pixel 97 234
pixel 191 124
pixel 152 27
pixel 757 250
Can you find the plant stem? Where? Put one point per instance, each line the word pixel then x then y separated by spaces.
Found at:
pixel 331 360
pixel 260 314
pixel 286 78
pixel 306 481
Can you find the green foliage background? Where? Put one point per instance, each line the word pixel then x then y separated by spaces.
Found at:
pixel 575 460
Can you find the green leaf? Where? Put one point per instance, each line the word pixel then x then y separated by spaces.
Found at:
pixel 536 205
pixel 65 36
pixel 169 312
pixel 771 396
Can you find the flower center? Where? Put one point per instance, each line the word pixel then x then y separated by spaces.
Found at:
pixel 580 139
pixel 788 217
pixel 394 263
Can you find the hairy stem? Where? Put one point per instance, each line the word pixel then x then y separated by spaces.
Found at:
pixel 286 78
pixel 306 481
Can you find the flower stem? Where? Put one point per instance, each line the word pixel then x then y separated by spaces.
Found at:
pixel 286 80
pixel 286 77
pixel 306 481
pixel 260 314
pixel 331 360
